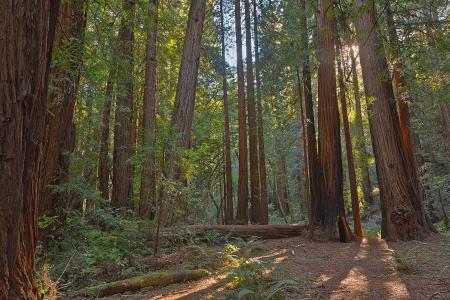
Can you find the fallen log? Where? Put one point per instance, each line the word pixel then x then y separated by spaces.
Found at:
pixel 136 283
pixel 264 232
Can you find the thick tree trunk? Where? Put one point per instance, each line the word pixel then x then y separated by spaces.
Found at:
pixel 59 136
pixel 123 129
pixel 409 137
pixel 26 32
pixel 252 126
pixel 148 175
pixel 264 200
pixel 313 164
pixel 330 214
pixel 183 111
pixel 228 175
pixel 242 205
pixel 103 169
pixel 348 145
pixel 362 155
pixel 445 116
pixel 397 187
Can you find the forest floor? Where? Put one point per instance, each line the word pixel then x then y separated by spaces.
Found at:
pixel 368 269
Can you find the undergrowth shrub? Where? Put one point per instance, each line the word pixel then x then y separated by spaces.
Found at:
pixel 101 245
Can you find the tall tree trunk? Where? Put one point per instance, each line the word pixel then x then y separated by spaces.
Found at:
pixel 397 187
pixel 330 209
pixel 103 169
pixel 264 200
pixel 252 127
pixel 27 32
pixel 228 175
pixel 313 164
pixel 123 129
pixel 148 175
pixel 445 116
pixel 303 144
pixel 183 111
pixel 348 144
pixel 409 137
pixel 362 155
pixel 59 136
pixel 242 205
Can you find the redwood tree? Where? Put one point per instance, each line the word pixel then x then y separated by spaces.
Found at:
pixel 59 136
pixel 148 175
pixel 362 155
pixel 329 210
pixel 228 189
pixel 348 144
pixel 398 189
pixel 252 127
pixel 264 200
pixel 123 129
pixel 242 205
pixel 183 111
pixel 311 146
pixel 27 32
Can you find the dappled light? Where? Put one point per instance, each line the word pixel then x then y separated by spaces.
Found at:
pixel 224 149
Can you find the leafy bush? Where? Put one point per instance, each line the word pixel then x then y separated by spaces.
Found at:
pixel 103 244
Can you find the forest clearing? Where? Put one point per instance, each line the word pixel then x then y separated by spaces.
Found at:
pixel 224 149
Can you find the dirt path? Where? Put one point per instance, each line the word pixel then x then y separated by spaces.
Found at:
pixel 361 270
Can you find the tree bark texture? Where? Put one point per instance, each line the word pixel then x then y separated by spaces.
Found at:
pixel 409 137
pixel 362 155
pixel 123 129
pixel 183 111
pixel 27 31
pixel 264 200
pixel 242 205
pixel 59 136
pixel 148 176
pixel 228 174
pixel 397 190
pixel 348 145
pixel 252 126
pixel 329 210
pixel 313 164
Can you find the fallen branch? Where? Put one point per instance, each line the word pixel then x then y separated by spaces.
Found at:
pixel 136 283
pixel 261 231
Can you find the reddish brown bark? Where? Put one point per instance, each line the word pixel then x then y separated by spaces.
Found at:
pixel 348 145
pixel 59 136
pixel 148 175
pixel 103 168
pixel 242 205
pixel 228 189
pixel 313 164
pixel 398 190
pixel 329 210
pixel 362 155
pixel 409 137
pixel 26 34
pixel 252 127
pixel 187 80
pixel 445 116
pixel 123 129
pixel 264 200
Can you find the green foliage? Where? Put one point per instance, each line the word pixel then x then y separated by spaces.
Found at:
pixel 101 244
